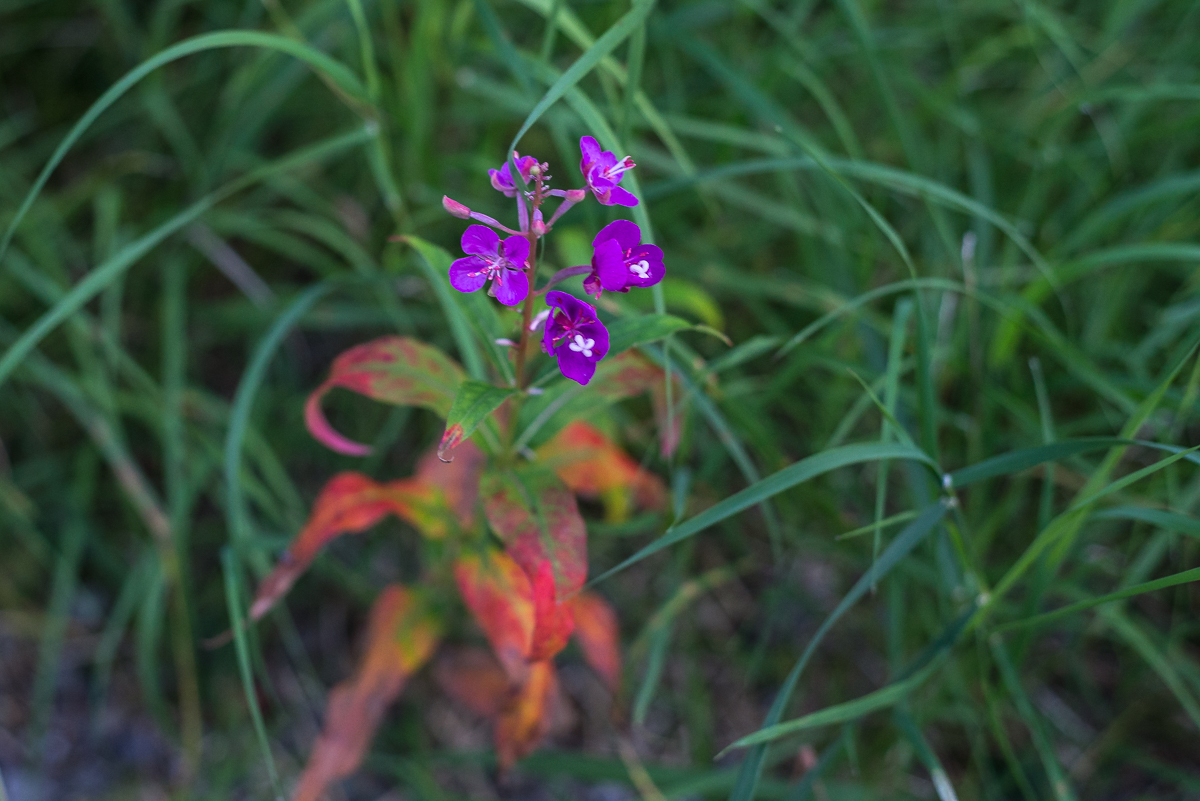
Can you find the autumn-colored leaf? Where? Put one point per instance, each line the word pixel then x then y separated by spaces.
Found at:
pixel 598 636
pixel 552 620
pixel 473 678
pixel 526 719
pixel 401 635
pixel 350 503
pixel 591 464
pixel 500 596
pixel 458 480
pixel 391 369
pixel 537 518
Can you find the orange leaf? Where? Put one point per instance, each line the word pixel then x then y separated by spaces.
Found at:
pixel 590 464
pixel 458 480
pixel 391 369
pixel 524 722
pixel 538 520
pixel 552 621
pixel 500 596
pixel 598 635
pixel 350 503
pixel 400 637
pixel 474 678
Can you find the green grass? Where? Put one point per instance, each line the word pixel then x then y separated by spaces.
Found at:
pixel 945 239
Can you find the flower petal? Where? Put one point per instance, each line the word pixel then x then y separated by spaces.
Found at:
pixel 596 331
pixel 468 274
pixel 609 263
pixel 510 286
pixel 516 250
pixel 619 197
pixel 574 365
pixel 590 149
pixel 571 306
pixel 479 240
pixel 653 256
pixel 627 234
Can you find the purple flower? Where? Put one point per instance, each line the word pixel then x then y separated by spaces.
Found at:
pixel 621 261
pixel 575 336
pixel 504 264
pixel 502 179
pixel 603 172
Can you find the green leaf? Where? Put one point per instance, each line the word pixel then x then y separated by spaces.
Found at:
pixel 1016 461
pixel 839 713
pixel 901 546
pixel 608 42
pixel 474 401
pixel 95 281
pixel 629 332
pixel 337 72
pixel 785 479
pixel 1137 589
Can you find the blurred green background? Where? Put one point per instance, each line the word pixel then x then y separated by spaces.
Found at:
pixel 972 225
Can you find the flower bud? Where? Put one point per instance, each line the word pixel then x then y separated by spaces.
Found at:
pixel 457 209
pixel 576 195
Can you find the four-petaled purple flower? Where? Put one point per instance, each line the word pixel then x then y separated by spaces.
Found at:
pixel 575 336
pixel 502 179
pixel 603 172
pixel 620 260
pixel 502 263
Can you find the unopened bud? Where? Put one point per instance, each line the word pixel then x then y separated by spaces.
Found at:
pixel 538 225
pixel 457 209
pixel 576 195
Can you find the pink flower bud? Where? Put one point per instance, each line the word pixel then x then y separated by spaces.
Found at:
pixel 576 195
pixel 457 209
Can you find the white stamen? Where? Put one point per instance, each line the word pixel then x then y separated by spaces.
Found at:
pixel 582 345
pixel 641 269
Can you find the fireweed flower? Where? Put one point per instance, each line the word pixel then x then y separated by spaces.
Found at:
pixel 603 172
pixel 490 259
pixel 575 336
pixel 502 180
pixel 620 260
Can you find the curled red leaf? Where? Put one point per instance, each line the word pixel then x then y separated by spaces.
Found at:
pixel 397 370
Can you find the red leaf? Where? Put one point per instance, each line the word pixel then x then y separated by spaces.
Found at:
pixel 350 503
pixel 473 677
pixel 589 463
pixel 552 621
pixel 458 480
pixel 391 369
pixel 538 520
pixel 598 635
pixel 499 595
pixel 400 637
pixel 524 722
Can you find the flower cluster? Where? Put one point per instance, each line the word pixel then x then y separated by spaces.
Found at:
pixel 574 334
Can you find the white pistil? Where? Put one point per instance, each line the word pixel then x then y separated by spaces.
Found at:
pixel 582 345
pixel 641 269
